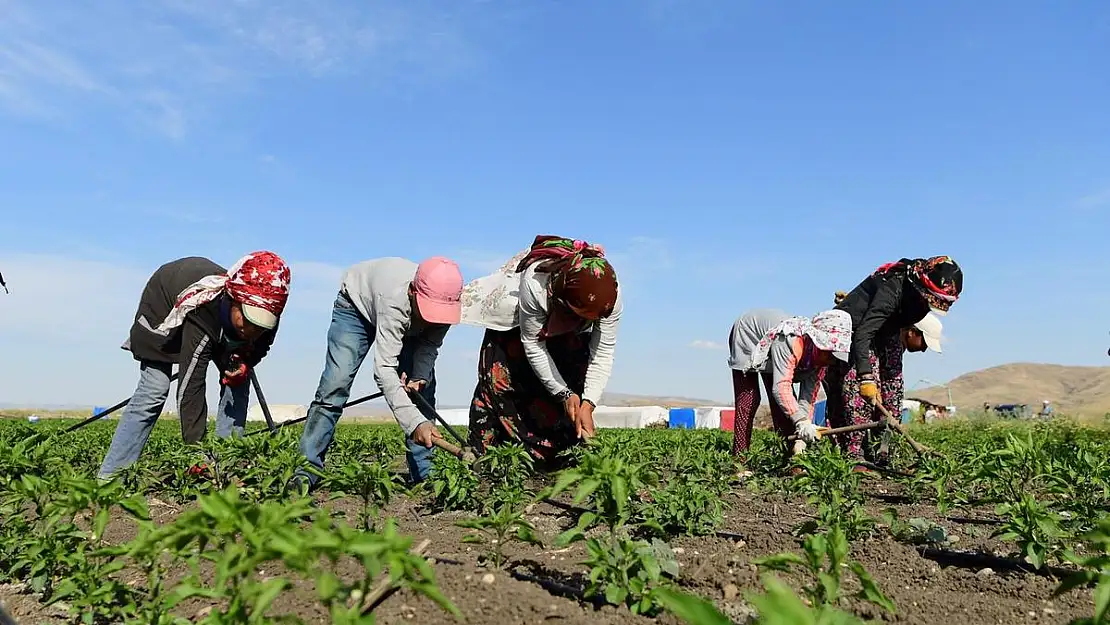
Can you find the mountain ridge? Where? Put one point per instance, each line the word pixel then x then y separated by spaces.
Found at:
pixel 1073 390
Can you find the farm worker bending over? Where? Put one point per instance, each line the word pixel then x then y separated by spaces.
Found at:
pixel 784 351
pixel 404 311
pixel 896 296
pixel 551 316
pixel 193 312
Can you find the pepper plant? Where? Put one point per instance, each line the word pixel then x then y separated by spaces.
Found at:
pixel 825 557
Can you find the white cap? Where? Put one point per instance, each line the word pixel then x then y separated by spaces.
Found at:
pixel 260 317
pixel 931 328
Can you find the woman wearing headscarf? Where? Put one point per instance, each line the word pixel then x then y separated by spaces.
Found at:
pixel 194 312
pixel 551 316
pixel 896 296
pixel 784 351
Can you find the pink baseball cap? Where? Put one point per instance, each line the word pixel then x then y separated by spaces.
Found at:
pixel 438 285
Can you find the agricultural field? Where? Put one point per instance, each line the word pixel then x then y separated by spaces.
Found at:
pixel 1007 522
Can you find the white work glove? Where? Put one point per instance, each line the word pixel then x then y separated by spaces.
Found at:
pixel 806 431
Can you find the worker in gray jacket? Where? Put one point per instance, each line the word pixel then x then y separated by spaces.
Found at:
pixel 402 310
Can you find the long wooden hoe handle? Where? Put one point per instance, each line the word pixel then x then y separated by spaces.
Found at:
pixel 448 447
pixel 823 432
pixel 920 449
pixel 462 453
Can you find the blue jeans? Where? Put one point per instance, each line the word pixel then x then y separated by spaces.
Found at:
pixel 349 339
pixel 145 406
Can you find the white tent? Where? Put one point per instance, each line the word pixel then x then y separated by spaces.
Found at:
pixel 455 416
pixel 709 417
pixel 280 412
pixel 635 417
pixel 604 416
pixel 629 417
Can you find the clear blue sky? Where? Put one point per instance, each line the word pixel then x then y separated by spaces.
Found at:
pixel 730 154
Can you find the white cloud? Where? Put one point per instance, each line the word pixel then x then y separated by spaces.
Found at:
pixel 63 323
pixel 79 299
pixel 164 62
pixel 1094 200
pixel 314 285
pixel 66 317
pixel 475 263
pixel 164 113
pixel 68 299
pixel 700 344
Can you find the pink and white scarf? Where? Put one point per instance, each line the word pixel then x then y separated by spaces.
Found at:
pixel 830 331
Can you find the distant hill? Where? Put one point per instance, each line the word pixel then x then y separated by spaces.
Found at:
pixel 620 399
pixel 1072 390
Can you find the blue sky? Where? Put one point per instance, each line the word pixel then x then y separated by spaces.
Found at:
pixel 729 154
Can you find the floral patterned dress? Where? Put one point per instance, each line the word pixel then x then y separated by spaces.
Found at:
pixel 847 407
pixel 510 403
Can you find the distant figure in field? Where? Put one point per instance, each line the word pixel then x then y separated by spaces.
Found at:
pixel 930 414
pixel 896 296
pixel 783 351
pixel 1046 410
pixel 191 313
pixel 551 316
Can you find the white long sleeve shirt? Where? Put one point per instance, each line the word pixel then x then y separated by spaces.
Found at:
pixel 508 299
pixel 533 313
pixel 379 290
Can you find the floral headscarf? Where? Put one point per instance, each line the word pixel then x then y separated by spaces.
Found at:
pixel 830 331
pixel 939 279
pixel 581 276
pixel 258 279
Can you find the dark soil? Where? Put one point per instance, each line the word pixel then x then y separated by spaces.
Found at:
pixel 715 567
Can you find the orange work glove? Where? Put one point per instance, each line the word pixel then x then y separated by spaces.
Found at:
pixel 868 389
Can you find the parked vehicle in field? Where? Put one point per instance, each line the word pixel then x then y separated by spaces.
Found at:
pixel 1013 411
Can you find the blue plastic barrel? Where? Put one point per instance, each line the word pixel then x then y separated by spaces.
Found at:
pixel 682 418
pixel 98 409
pixel 907 415
pixel 819 414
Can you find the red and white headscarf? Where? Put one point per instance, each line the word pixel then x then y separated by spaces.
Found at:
pixel 258 279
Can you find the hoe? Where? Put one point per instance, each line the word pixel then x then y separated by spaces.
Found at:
pixel 887 424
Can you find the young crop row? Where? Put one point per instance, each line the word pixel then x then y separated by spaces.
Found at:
pixel 238 525
pixel 631 491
